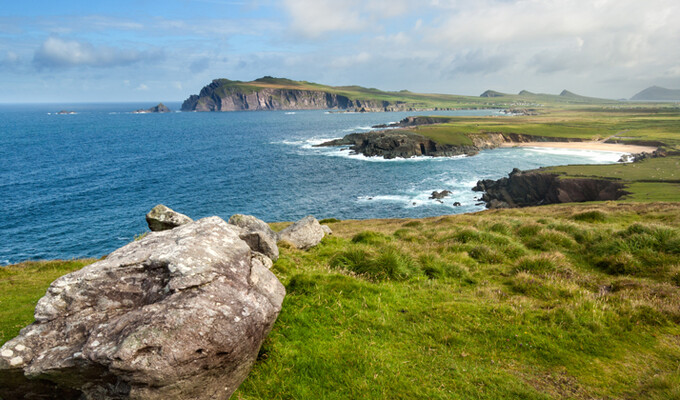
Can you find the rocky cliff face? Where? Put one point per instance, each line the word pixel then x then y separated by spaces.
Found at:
pixel 532 188
pixel 398 143
pixel 405 144
pixel 217 97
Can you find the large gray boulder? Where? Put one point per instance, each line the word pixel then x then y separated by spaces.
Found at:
pixel 257 233
pixel 179 314
pixel 303 234
pixel 162 218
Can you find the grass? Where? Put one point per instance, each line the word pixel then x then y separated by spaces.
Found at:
pixel 466 306
pixel 22 285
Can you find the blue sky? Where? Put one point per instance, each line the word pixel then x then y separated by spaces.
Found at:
pixel 72 51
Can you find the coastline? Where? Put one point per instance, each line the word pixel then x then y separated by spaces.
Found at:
pixel 590 145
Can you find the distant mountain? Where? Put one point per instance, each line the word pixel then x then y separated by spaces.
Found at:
pixel 526 93
pixel 658 93
pixel 492 93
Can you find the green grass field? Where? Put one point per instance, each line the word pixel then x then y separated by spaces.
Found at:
pixel 556 302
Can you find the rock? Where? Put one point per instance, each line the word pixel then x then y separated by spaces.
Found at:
pixel 439 195
pixel 257 233
pixel 262 243
pixel 251 224
pixel 457 204
pixel 398 143
pixel 533 188
pixel 303 234
pixel 179 314
pixel 162 218
pixel 160 108
pixel 327 229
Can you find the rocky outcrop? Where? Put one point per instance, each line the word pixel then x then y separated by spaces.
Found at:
pixel 162 218
pixel 439 195
pixel 257 233
pixel 160 108
pixel 224 95
pixel 398 143
pixel 179 314
pixel 304 234
pixel 532 188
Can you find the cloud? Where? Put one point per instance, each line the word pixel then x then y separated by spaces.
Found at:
pixel 314 18
pixel 55 53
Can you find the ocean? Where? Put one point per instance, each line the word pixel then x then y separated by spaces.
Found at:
pixel 79 185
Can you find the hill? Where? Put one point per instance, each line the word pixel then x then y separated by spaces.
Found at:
pixel 570 301
pixel 269 93
pixel 657 93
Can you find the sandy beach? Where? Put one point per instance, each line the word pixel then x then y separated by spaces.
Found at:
pixel 592 145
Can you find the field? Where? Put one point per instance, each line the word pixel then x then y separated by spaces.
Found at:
pixel 557 302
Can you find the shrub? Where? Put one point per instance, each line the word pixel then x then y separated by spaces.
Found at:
pixel 390 264
pixel 550 240
pixel 329 221
pixel 619 264
pixel 541 264
pixel 528 230
pixel 370 237
pixel 590 216
pixel 501 227
pixel 433 267
pixel 484 254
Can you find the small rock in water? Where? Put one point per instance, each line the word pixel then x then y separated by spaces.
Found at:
pixel 439 195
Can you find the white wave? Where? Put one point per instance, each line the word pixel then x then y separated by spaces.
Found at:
pixel 359 128
pixel 599 156
pixel 305 143
pixel 291 113
pixel 417 199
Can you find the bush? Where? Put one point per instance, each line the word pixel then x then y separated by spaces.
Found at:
pixel 591 216
pixel 619 264
pixel 433 267
pixel 541 264
pixel 484 254
pixel 329 221
pixel 550 240
pixel 390 264
pixel 528 230
pixel 370 237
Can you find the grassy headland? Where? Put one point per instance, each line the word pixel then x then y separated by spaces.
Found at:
pixel 556 302
pixel 417 101
pixel 655 179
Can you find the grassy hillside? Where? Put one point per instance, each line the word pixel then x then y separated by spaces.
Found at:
pixel 416 100
pixel 557 302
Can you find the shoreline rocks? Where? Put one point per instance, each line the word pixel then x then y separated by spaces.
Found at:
pixel 179 314
pixel 533 188
pixel 398 144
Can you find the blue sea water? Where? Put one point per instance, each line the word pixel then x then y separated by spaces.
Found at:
pixel 79 185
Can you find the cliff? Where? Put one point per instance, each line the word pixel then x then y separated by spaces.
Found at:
pixel 283 94
pixel 268 93
pixel 399 143
pixel 404 143
pixel 533 188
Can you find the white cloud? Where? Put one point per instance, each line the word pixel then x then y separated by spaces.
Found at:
pixel 142 87
pixel 59 53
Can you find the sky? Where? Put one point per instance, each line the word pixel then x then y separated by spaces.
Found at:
pixel 142 50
